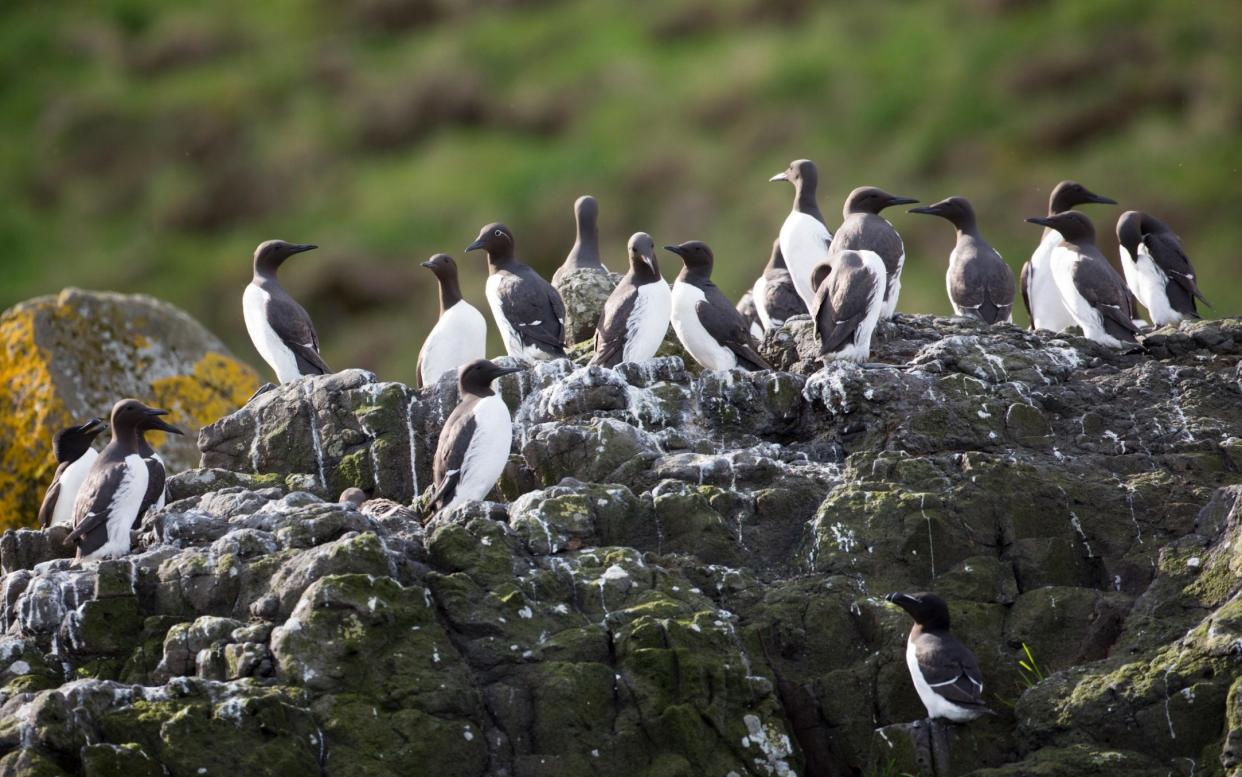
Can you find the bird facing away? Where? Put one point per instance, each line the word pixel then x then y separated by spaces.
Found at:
pixel 585 253
pixel 74 457
pixel 775 295
pixel 705 321
pixel 528 312
pixel 979 282
pixel 746 306
pixel 848 302
pixel 1091 290
pixel 460 334
pixel 157 475
pixel 864 229
pixel 1157 269
pixel 804 236
pixel 945 672
pixel 475 441
pixel 111 498
pixel 636 316
pixel 279 327
pixel 1039 289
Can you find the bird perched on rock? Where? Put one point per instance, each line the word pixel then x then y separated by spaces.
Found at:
pixel 979 282
pixel 804 236
pixel 1156 268
pixel 74 457
pixel 460 334
pixel 583 281
pixel 475 440
pixel 849 297
pixel 528 312
pixel 111 498
pixel 746 306
pixel 864 229
pixel 1091 290
pixel 705 321
pixel 279 327
pixel 1039 289
pixel 636 316
pixel 775 296
pixel 157 478
pixel 945 672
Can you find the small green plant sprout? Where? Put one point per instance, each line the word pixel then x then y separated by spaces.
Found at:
pixel 1030 670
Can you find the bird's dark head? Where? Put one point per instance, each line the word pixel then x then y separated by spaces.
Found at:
pixel 643 261
pixel 695 254
pixel 586 211
pixel 956 210
pixel 496 239
pixel 130 414
pixel 927 609
pixel 71 442
pixel 801 173
pixel 1074 227
pixel 476 377
pixel 1069 194
pixel 869 199
pixel 272 253
pixel 442 266
pixel 1130 231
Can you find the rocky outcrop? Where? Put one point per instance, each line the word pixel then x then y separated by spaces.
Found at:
pixel 68 357
pixel 680 574
pixel 584 292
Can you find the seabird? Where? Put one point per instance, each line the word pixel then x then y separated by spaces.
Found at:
pixel 705 321
pixel 1091 290
pixel 1157 269
pixel 585 253
pixel 864 229
pixel 945 672
pixel 74 457
pixel 157 475
pixel 111 498
pixel 746 306
pixel 804 236
pixel 636 316
pixel 475 440
pixel 460 334
pixel 849 297
pixel 979 282
pixel 528 311
pixel 1039 289
pixel 775 295
pixel 279 327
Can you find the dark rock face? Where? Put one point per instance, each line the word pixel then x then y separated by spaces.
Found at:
pixel 679 574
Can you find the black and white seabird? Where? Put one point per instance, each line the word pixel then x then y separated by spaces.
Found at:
pixel 1157 269
pixel 1091 290
pixel 979 282
pixel 74 457
pixel 1039 289
pixel 460 334
pixel 636 316
pixel 111 498
pixel 528 312
pixel 585 253
pixel 864 229
pixel 705 321
pixel 279 327
pixel 849 296
pixel 804 236
pixel 775 295
pixel 157 475
pixel 475 440
pixel 746 306
pixel 945 672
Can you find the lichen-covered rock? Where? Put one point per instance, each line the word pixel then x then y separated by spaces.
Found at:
pixel 584 292
pixel 68 357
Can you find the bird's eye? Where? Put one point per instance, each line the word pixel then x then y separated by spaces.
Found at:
pixel 498 233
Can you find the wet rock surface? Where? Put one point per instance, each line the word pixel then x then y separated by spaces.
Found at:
pixel 678 574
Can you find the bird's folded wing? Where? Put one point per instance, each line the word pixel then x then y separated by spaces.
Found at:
pixel 849 293
pixel 727 327
pixel 1167 252
pixel 1095 281
pixel 294 328
pixel 614 328
pixel 451 454
pixel 951 671
pixel 1024 280
pixel 94 502
pixel 537 317
pixel 48 508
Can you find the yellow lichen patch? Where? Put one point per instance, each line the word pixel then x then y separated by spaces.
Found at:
pixel 217 386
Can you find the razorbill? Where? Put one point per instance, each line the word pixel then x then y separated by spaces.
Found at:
pixel 849 296
pixel 746 306
pixel 979 282
pixel 460 334
pixel 705 321
pixel 528 312
pixel 74 457
pixel 864 229
pixel 1157 269
pixel 475 440
pixel 1039 289
pixel 804 236
pixel 775 295
pixel 279 327
pixel 585 253
pixel 157 474
pixel 111 497
pixel 636 316
pixel 945 672
pixel 1091 290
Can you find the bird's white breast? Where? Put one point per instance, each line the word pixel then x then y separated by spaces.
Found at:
pixel 1150 285
pixel 266 341
pixel 123 508
pixel 697 340
pixel 648 322
pixel 1047 307
pixel 859 349
pixel 460 336
pixel 1081 312
pixel 70 482
pixel 488 451
pixel 758 294
pixel 937 706
pixel 804 244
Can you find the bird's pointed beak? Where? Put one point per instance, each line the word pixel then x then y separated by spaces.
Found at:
pixel 929 210
pixel 476 245
pixel 902 201
pixel 650 261
pixel 426 264
pixel 155 423
pixel 1101 199
pixel 95 426
pixel 674 250
pixel 780 177
pixel 899 598
pixel 301 247
pixel 1041 220
pixel 502 371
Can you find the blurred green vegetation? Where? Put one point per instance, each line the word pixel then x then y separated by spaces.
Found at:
pixel 148 145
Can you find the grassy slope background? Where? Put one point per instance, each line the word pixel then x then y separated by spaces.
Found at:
pixel 148 146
